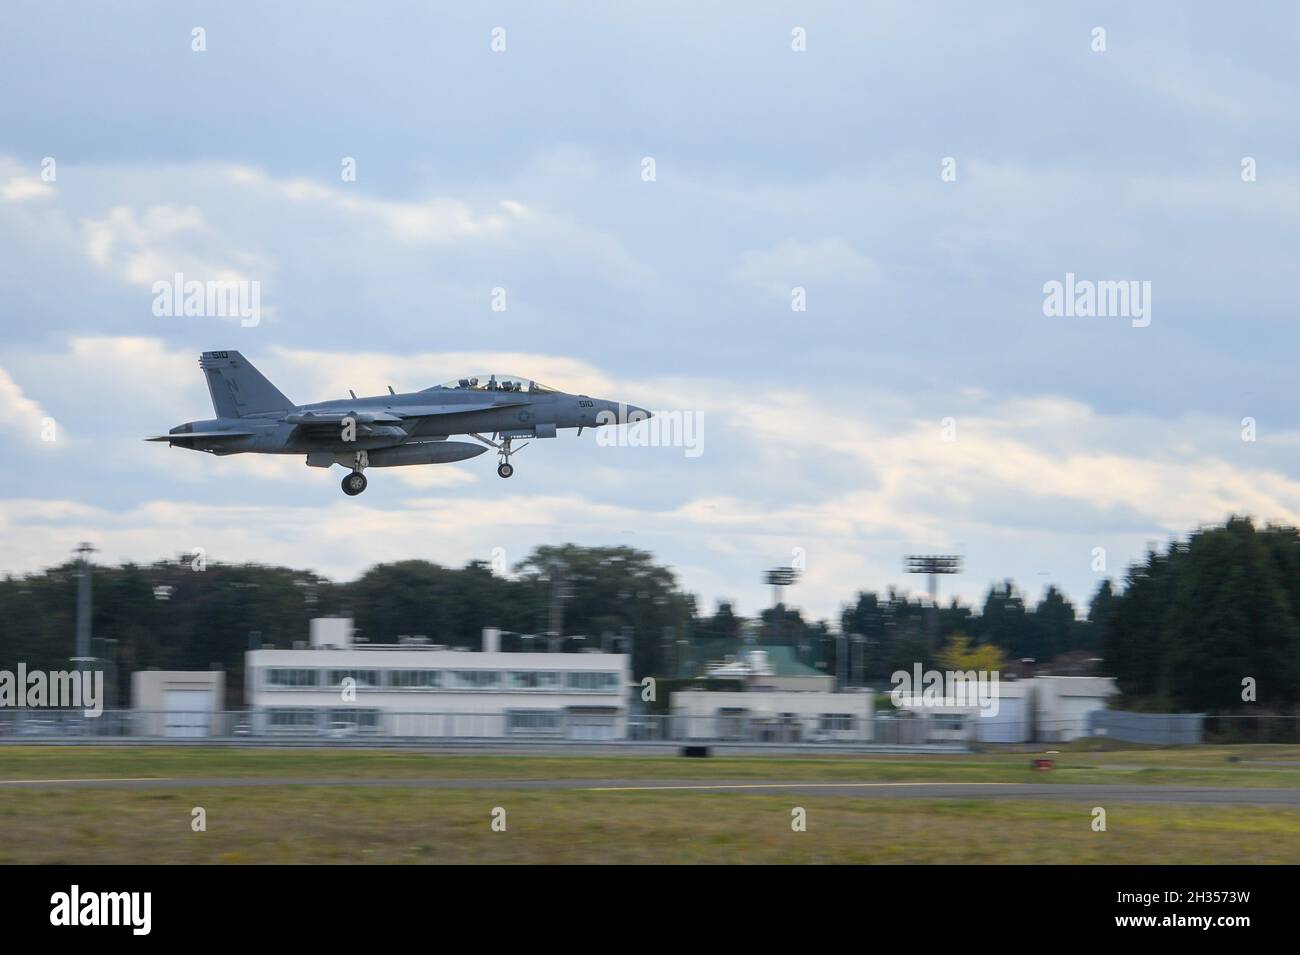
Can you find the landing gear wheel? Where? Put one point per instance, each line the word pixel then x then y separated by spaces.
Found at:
pixel 354 484
pixel 505 470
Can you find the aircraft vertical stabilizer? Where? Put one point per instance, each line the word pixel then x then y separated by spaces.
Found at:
pixel 237 388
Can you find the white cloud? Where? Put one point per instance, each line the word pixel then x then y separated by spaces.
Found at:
pixel 1029 482
pixel 163 241
pixel 431 220
pixel 327 374
pixel 25 189
pixel 22 417
pixel 821 432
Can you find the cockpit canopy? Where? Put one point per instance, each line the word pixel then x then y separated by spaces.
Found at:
pixel 495 383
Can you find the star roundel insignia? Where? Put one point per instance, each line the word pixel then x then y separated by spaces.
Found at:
pixel 525 415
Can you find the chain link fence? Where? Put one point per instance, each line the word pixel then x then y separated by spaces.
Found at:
pixel 596 724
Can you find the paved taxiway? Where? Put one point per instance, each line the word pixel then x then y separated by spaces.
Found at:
pixel 1093 794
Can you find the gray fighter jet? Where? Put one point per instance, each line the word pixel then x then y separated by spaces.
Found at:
pixel 387 430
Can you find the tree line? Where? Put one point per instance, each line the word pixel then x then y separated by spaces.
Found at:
pixel 1200 626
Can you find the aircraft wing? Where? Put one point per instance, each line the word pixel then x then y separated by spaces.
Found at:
pixel 395 423
pixel 395 415
pixel 338 417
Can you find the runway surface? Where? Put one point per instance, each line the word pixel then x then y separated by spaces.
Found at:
pixel 1093 794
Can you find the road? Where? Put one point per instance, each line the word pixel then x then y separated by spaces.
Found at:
pixel 1092 794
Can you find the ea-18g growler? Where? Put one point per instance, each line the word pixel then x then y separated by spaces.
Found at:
pixel 392 430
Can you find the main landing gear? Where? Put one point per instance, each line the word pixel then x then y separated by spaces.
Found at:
pixel 356 482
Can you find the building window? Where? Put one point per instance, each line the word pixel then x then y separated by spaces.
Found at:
pixel 534 680
pixel 591 681
pixel 475 679
pixel 284 717
pixel 415 679
pixel 535 722
pixel 368 679
pixel 361 719
pixel 947 722
pixel 835 721
pixel 286 678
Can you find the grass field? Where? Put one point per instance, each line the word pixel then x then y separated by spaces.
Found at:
pixel 340 824
pixel 1268 766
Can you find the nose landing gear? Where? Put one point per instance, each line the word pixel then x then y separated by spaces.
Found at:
pixel 505 468
pixel 355 483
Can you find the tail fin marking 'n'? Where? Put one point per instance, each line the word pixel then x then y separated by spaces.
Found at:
pixel 237 388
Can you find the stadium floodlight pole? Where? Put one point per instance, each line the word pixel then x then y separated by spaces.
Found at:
pixel 83 552
pixel 560 592
pixel 779 578
pixel 932 565
pixel 841 661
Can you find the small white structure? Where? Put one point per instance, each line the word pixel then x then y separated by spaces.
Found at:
pixel 1014 720
pixel 1050 709
pixel 772 717
pixel 331 633
pixel 1062 704
pixel 771 668
pixel 1006 719
pixel 413 689
pixel 753 663
pixel 177 703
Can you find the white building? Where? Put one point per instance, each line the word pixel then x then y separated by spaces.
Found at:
pixel 772 717
pixel 1062 704
pixel 178 703
pixel 1043 708
pixel 1008 718
pixel 340 688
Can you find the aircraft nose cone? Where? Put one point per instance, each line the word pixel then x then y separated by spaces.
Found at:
pixel 619 412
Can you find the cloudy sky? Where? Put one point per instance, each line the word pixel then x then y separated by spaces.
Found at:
pixel 923 401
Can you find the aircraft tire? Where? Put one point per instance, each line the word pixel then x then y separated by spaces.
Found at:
pixel 354 484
